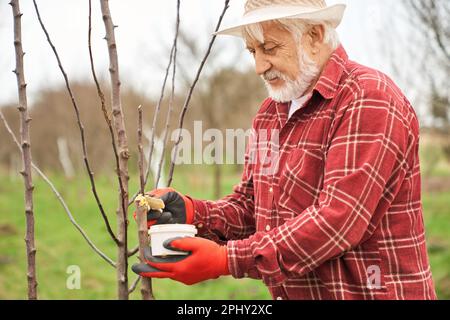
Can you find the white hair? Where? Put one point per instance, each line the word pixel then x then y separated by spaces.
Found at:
pixel 297 28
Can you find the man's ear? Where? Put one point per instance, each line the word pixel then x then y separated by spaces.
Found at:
pixel 316 36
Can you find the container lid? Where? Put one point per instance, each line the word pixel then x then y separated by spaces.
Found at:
pixel 188 228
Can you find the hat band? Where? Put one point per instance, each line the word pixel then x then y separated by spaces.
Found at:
pixel 281 10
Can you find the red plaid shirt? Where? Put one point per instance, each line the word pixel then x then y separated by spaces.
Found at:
pixel 341 218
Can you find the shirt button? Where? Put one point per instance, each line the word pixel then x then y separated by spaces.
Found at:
pixel 200 225
pixel 267 228
pixel 279 298
pixel 271 190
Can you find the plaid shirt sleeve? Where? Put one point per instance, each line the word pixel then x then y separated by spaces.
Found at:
pixel 363 167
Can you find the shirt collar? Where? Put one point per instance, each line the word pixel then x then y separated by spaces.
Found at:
pixel 331 74
pixel 326 86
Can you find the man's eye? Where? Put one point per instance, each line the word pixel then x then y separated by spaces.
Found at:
pixel 269 49
pixel 251 51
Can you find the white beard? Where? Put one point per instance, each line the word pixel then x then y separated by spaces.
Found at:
pixel 293 89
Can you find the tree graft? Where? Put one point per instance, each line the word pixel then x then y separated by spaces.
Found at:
pixel 141 214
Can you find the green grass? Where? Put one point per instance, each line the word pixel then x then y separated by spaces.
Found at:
pixel 60 245
pixel 437 224
pixel 433 161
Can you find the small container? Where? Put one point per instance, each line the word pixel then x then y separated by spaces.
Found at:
pixel 160 233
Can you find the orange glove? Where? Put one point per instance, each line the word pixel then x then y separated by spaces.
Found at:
pixel 178 208
pixel 206 260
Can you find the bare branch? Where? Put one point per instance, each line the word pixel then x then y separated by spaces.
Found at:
pixel 119 123
pixel 134 285
pixel 427 11
pixel 172 96
pixel 103 105
pixel 191 90
pixel 60 198
pixel 80 126
pixel 133 251
pixel 26 152
pixel 141 214
pixel 155 121
pixel 141 152
pixel 173 60
pixel 156 114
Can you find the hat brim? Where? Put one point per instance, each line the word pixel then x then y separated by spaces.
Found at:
pixel 332 14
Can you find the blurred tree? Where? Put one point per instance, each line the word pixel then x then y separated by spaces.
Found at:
pixel 430 31
pixel 440 105
pixel 53 119
pixel 432 17
pixel 431 26
pixel 9 155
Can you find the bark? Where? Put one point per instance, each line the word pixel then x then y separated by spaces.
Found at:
pixel 122 143
pixel 141 215
pixel 26 152
pixel 102 98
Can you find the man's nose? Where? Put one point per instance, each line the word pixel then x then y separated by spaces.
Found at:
pixel 262 65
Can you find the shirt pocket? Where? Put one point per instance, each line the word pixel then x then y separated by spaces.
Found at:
pixel 300 181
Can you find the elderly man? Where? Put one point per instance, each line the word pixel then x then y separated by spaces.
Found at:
pixel 340 217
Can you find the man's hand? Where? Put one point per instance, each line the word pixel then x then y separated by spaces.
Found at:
pixel 178 208
pixel 206 260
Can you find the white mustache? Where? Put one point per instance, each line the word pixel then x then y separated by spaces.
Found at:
pixel 270 75
pixel 292 89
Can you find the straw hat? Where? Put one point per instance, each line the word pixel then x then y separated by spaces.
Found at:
pixel 266 10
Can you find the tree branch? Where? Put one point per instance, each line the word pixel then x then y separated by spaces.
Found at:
pixel 119 123
pixel 141 152
pixel 155 121
pixel 134 285
pixel 103 106
pixel 80 126
pixel 428 14
pixel 191 90
pixel 26 151
pixel 172 96
pixel 133 251
pixel 141 214
pixel 172 59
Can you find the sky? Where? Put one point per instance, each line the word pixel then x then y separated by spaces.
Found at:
pixel 144 36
